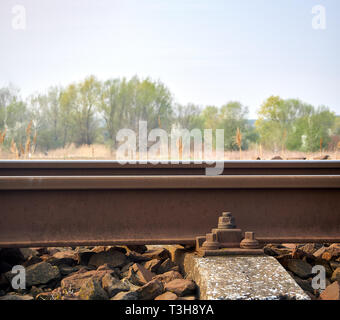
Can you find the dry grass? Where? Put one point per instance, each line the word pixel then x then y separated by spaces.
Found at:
pixel 95 151
pixel 238 139
pixel 101 152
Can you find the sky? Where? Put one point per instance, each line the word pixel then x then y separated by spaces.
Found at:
pixel 207 52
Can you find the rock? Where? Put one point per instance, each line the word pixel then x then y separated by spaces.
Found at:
pixel 106 267
pixel 318 253
pixel 130 295
pixel 112 257
pixel 61 262
pixel 137 248
pixel 52 250
pixel 150 290
pixel 326 157
pixel 301 268
pixel 113 285
pixel 270 251
pixel 327 267
pixel 152 265
pixel 69 254
pixel 39 273
pixel 167 296
pixel 311 295
pixel 310 248
pixel 310 259
pixel 4 283
pixel 138 275
pixel 160 254
pixel 136 257
pixel 276 158
pixel 45 296
pixel 304 284
pixel 98 249
pixel 5 267
pixel 168 276
pixel 336 275
pixel 63 258
pixel 83 257
pixel 31 261
pixel 178 254
pixel 332 252
pixel 291 246
pixel 284 259
pixel 62 293
pixel 166 266
pixel 188 298
pixel 181 287
pixel 130 285
pixel 28 252
pixel 125 270
pixel 43 250
pixel 45 257
pixel 298 254
pixel 58 293
pixel 175 268
pixel 326 256
pixel 75 280
pixel 16 297
pixel 334 264
pixel 332 292
pixel 35 291
pixel 121 249
pixel 70 298
pixel 92 290
pixel 65 270
pixel 12 256
pixel 274 250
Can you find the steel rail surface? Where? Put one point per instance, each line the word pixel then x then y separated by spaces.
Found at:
pixel 88 209
pixel 80 168
pixel 168 182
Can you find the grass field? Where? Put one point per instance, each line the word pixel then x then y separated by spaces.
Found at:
pixel 102 152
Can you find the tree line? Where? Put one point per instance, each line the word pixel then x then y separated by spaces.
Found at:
pixel 92 111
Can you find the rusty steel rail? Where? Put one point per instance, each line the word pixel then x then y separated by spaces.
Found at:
pixel 283 202
pixel 168 182
pixel 109 168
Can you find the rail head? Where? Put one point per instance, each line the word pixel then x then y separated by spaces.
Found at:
pixel 175 164
pixel 170 182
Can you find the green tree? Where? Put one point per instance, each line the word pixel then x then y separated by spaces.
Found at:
pixel 232 116
pixel 85 113
pixel 68 107
pixel 14 116
pixel 276 119
pixel 188 116
pixel 211 117
pixel 293 124
pixel 152 103
pixel 318 128
pixel 46 116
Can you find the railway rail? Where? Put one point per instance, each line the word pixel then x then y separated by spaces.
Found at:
pixel 69 203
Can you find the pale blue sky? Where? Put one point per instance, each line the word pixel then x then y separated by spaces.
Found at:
pixel 205 51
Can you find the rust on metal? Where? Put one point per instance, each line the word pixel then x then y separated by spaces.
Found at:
pixel 226 221
pixel 168 182
pixel 249 241
pixel 110 168
pixel 104 203
pixel 227 239
pixel 211 242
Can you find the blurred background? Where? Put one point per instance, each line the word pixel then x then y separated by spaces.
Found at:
pixel 73 73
